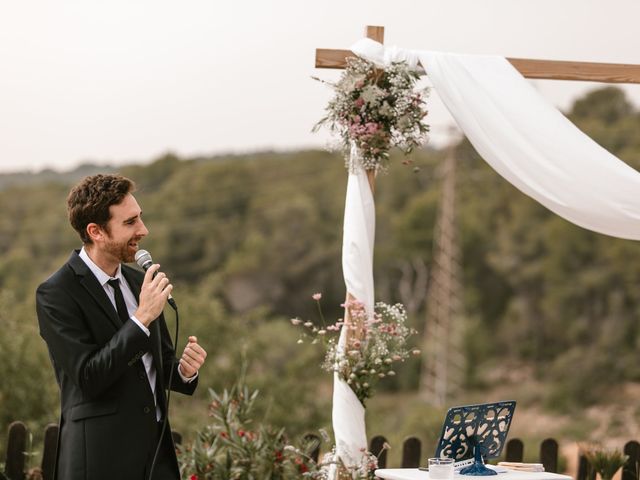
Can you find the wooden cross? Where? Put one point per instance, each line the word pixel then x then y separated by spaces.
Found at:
pixel 529 68
pixel 541 69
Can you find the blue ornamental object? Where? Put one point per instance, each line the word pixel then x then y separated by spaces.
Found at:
pixel 477 469
pixel 476 431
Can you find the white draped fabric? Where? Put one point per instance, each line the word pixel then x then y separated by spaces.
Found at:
pixel 357 266
pixel 527 140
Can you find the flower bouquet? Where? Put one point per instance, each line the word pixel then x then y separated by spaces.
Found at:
pixel 374 110
pixel 375 344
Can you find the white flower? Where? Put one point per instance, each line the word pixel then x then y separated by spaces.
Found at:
pixel 372 94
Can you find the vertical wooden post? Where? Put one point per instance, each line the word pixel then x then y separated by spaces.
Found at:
pixel 515 450
pixel 411 449
pixel 16 446
pixel 377 34
pixel 377 449
pixel 49 451
pixel 631 468
pixel 549 455
pixel 585 472
pixel 374 33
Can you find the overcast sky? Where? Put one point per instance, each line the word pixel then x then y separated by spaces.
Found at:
pixel 125 81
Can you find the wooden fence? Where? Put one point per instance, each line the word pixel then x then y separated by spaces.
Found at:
pixel 412 455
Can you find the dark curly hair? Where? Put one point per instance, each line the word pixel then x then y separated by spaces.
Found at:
pixel 89 201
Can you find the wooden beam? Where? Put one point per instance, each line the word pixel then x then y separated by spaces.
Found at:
pixel 530 68
pixel 583 71
pixel 328 58
pixel 374 33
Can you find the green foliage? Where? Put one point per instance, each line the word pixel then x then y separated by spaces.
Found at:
pixel 28 391
pixel 233 447
pixel 605 462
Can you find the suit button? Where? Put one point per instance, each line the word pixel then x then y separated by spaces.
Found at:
pixel 142 375
pixel 146 409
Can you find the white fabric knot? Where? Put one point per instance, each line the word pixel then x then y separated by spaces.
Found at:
pixel 384 56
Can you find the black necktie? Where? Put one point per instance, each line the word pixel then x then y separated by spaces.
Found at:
pixel 121 307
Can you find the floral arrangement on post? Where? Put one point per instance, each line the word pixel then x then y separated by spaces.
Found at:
pixel 605 462
pixel 376 344
pixel 376 109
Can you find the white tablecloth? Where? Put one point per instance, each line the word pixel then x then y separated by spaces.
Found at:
pixel 415 474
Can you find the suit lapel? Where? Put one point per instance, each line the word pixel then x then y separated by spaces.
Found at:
pixel 91 284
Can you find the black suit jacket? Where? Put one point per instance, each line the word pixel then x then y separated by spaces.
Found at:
pixel 108 427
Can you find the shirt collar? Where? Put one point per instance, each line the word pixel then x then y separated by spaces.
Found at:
pixel 102 277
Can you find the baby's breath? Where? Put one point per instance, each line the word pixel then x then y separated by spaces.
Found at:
pixel 370 356
pixel 375 110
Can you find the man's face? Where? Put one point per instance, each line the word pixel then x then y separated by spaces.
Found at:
pixel 124 230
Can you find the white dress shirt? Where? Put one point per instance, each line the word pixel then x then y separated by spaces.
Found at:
pixel 132 306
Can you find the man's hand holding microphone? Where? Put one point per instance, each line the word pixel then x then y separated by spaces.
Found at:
pixel 154 294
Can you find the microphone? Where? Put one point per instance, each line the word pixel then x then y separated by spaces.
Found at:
pixel 144 260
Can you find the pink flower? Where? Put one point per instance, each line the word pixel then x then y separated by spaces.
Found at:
pixel 359 102
pixel 372 127
pixel 316 296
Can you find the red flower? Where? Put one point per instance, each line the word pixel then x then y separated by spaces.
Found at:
pixel 301 465
pixel 193 477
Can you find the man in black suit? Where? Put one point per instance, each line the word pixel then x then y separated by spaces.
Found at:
pixel 109 344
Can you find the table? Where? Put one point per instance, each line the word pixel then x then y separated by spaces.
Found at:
pixel 415 474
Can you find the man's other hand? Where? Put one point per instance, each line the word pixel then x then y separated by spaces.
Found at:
pixel 192 358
